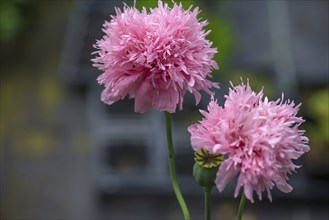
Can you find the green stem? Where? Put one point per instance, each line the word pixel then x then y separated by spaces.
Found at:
pixel 241 207
pixel 173 169
pixel 207 202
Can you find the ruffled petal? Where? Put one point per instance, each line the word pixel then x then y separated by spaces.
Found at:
pixel 119 90
pixel 143 97
pixel 166 100
pixel 226 173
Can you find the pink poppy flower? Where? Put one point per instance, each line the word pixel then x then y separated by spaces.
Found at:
pixel 259 138
pixel 155 57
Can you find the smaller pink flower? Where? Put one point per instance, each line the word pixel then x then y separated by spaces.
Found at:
pixel 155 57
pixel 259 138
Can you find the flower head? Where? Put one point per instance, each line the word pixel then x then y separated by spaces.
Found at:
pixel 258 137
pixel 155 57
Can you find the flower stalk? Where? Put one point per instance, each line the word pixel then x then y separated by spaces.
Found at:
pixel 207 202
pixel 204 173
pixel 241 207
pixel 172 167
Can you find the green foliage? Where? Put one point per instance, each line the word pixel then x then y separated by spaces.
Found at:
pixel 222 37
pixel 257 82
pixel 15 17
pixel 10 20
pixel 317 105
pixel 154 3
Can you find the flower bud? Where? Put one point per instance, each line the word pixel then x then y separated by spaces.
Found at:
pixel 206 167
pixel 205 177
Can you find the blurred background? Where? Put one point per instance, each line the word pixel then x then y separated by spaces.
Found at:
pixel 66 155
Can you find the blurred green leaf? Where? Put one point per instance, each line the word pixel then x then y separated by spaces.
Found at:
pixel 10 20
pixel 317 105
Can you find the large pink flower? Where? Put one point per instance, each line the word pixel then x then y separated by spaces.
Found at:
pixel 155 57
pixel 260 138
